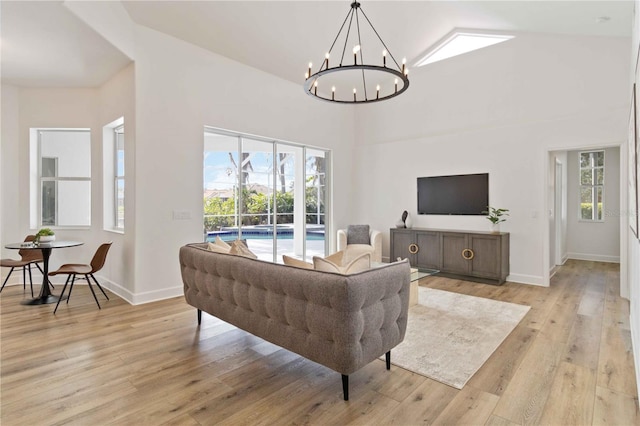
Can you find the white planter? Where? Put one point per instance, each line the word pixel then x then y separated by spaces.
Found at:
pixel 47 238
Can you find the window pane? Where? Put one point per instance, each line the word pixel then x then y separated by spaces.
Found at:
pixel 120 203
pixel 598 176
pixel 49 167
pixel 586 203
pixel 49 197
pixel 316 198
pixel 586 177
pixel 599 158
pixel 120 155
pixel 220 183
pixel 599 215
pixel 72 149
pixel 585 159
pixel 66 203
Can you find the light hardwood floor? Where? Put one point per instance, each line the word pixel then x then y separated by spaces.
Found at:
pixel 568 362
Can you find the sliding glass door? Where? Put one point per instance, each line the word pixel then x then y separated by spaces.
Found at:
pixel 273 195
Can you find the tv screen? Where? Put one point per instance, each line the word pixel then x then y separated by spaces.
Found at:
pixel 453 195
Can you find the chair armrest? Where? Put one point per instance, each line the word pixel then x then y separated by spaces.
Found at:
pixel 342 239
pixel 376 241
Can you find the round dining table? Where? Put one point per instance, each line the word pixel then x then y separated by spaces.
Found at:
pixel 45 296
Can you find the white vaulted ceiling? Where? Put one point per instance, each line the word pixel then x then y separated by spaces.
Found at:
pixel 45 44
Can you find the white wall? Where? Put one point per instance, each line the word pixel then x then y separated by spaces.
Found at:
pixel 116 98
pixel 632 245
pixel 498 110
pixel 180 88
pixel 10 172
pixel 599 241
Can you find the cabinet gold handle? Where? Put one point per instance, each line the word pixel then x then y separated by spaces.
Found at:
pixel 468 254
pixel 413 248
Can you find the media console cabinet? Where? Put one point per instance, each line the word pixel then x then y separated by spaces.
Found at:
pixel 479 256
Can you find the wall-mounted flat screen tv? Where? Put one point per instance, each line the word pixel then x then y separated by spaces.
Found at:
pixel 453 195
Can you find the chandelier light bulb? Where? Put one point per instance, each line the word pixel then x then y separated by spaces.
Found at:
pixel 377 91
pixel 384 57
pixel 356 49
pixel 396 83
pixel 333 93
pixel 315 87
pixel 404 61
pixel 326 59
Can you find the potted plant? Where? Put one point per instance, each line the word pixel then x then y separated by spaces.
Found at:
pixel 496 216
pixel 45 235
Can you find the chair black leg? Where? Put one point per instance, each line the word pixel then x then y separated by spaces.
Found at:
pixel 387 358
pixel 199 316
pixel 92 292
pixel 73 280
pixel 30 279
pixel 6 279
pixel 24 277
pixel 345 387
pixel 62 295
pixel 99 286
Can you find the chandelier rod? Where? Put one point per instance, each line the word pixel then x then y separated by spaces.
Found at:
pixel 346 39
pixel 380 38
pixel 338 35
pixel 364 81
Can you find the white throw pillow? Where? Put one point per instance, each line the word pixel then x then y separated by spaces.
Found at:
pixel 238 248
pixel 359 264
pixel 216 248
pixel 221 243
pixel 292 261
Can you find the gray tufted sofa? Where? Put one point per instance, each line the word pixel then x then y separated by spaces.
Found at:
pixel 340 321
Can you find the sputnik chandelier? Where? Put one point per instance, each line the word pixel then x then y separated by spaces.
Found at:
pixel 357 82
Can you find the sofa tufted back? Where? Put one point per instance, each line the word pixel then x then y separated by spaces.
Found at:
pixel 340 321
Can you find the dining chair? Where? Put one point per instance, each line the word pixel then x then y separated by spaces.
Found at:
pixel 73 269
pixel 27 258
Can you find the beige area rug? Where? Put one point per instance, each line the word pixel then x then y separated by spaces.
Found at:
pixel 450 335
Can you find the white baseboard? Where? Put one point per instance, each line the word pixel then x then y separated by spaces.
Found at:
pixel 594 257
pixel 527 279
pixel 141 298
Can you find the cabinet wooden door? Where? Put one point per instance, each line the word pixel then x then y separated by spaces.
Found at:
pixel 486 255
pixel 429 254
pixel 400 241
pixel 452 257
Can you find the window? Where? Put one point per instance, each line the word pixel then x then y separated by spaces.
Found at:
pixel 591 185
pixel 61 177
pixel 274 195
pixel 118 202
pixel 113 175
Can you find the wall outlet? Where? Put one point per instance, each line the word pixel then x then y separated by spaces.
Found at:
pixel 181 215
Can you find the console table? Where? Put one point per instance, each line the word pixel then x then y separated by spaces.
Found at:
pixel 480 256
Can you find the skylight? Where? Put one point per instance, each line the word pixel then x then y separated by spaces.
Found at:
pixel 458 42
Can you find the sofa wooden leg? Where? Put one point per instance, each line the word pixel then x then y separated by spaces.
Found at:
pixel 345 387
pixel 199 316
pixel 387 357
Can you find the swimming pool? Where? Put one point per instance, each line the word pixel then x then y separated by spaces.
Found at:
pixel 264 233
